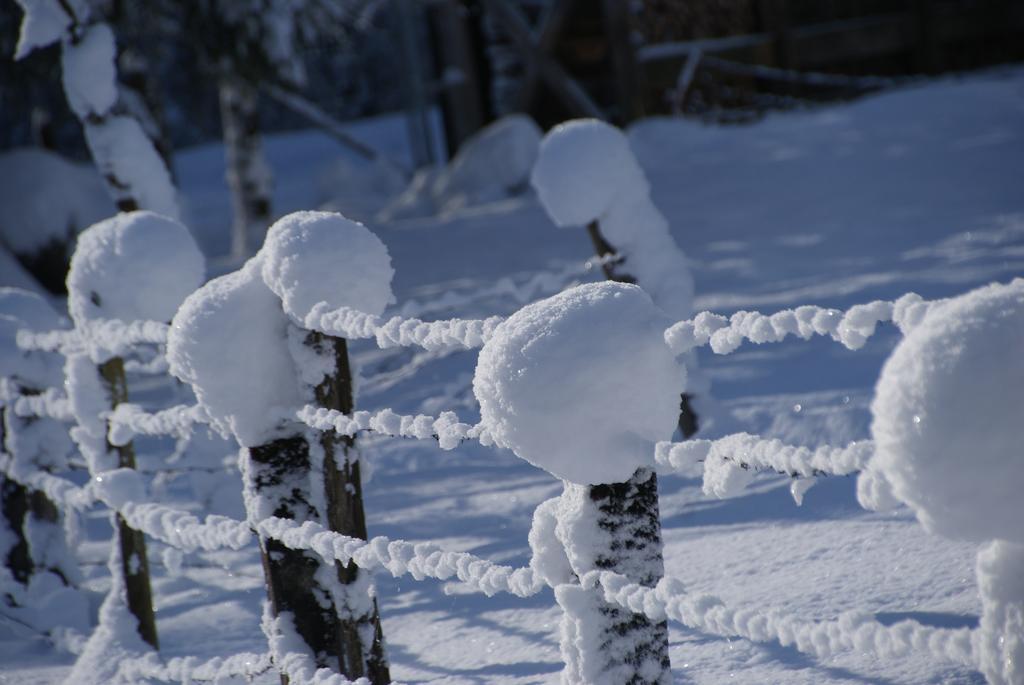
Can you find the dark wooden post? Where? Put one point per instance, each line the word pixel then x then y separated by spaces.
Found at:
pixel 19 503
pixel 629 513
pixel 279 471
pixel 452 43
pixel 628 77
pixel 611 262
pixel 134 562
pixel 345 513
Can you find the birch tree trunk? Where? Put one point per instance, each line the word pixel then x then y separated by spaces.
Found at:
pixel 248 175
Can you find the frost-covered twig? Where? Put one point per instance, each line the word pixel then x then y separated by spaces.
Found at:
pixel 129 420
pixel 191 669
pixel 852 328
pixel 446 428
pixel 729 462
pixel 853 630
pixel 420 560
pixel 346 322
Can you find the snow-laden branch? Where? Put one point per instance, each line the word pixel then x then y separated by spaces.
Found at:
pixel 129 420
pixel 100 339
pixel 419 560
pixel 191 669
pixel 729 462
pixel 346 322
pixel 852 328
pixel 446 428
pixel 854 630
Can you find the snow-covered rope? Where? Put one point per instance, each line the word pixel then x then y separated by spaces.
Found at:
pixel 183 530
pixel 129 420
pixel 61 491
pixel 420 560
pixel 852 328
pixel 100 339
pixel 350 323
pixel 191 669
pixel 852 631
pixel 48 404
pixel 446 428
pixel 729 462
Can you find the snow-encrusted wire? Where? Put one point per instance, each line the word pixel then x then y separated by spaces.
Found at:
pixel 854 630
pixel 48 404
pixel 419 560
pixel 446 428
pixel 183 530
pixel 61 491
pixel 190 669
pixel 727 463
pixel 346 322
pixel 852 328
pixel 100 339
pixel 129 420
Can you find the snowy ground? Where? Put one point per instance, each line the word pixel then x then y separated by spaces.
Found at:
pixel 914 190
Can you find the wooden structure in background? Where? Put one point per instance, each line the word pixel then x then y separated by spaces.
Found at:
pixel 729 59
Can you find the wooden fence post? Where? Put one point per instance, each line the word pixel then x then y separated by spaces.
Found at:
pixel 134 562
pixel 346 638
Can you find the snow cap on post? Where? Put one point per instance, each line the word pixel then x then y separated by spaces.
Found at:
pixel 947 416
pixel 313 257
pixel 581 384
pixel 583 168
pixel 133 266
pixel 229 342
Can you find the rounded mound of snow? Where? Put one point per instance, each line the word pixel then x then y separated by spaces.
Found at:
pixel 583 167
pixel 312 257
pixel 229 342
pixel 581 384
pixel 133 266
pixel 948 416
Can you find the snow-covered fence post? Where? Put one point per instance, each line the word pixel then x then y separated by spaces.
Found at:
pixel 291 471
pixel 583 386
pixel 948 433
pixel 135 174
pixel 587 175
pixel 135 266
pixel 31 442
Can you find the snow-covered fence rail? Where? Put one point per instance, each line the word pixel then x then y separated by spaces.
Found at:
pixel 540 396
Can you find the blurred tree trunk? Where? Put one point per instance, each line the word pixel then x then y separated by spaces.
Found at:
pixel 248 176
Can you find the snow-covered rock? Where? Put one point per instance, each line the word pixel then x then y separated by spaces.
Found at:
pixel 947 416
pixel 133 266
pixel 229 341
pixel 313 257
pixel 581 384
pixel 491 165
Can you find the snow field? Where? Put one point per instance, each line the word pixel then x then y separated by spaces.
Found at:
pixel 996 574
